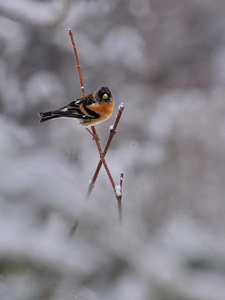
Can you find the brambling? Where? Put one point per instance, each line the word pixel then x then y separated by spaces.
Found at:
pixel 88 111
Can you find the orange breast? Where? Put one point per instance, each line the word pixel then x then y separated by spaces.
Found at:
pixel 104 109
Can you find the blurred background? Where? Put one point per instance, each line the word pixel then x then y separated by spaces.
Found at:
pixel 165 60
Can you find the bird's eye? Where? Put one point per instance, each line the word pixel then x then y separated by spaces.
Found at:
pixel 105 96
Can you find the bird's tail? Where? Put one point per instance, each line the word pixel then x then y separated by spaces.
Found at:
pixel 45 116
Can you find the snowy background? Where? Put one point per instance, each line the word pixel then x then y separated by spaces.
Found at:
pixel 165 59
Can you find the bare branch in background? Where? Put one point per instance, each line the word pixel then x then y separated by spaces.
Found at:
pixel 42 15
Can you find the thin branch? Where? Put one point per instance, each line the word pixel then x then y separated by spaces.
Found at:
pixel 77 63
pixel 111 135
pixel 95 136
pixel 102 157
pixel 73 229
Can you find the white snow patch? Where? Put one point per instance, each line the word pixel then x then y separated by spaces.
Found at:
pixel 121 106
pixel 118 190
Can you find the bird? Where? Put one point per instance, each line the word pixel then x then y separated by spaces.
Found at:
pixel 88 110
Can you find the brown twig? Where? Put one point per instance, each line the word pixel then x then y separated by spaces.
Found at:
pixel 77 63
pixel 111 135
pixel 102 157
pixel 80 76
